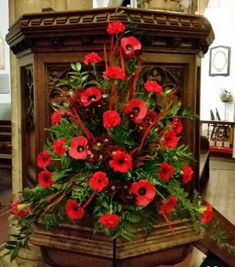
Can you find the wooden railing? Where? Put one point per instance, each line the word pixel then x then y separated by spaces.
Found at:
pixel 204 166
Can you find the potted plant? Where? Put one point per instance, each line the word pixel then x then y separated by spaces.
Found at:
pixel 114 160
pixel 227 98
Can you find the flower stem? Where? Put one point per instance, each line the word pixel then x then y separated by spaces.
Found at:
pixel 89 200
pixel 84 128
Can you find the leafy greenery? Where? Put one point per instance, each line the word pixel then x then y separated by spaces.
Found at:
pixel 114 153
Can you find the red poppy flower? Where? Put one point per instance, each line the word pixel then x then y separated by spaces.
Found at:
pixel 116 27
pixel 73 209
pixel 45 179
pixel 121 162
pixel 177 125
pixel 91 58
pixel 59 147
pixel 111 118
pixel 144 192
pixel 78 147
pixel 153 86
pixel 18 208
pixel 55 117
pixel 90 95
pixel 207 214
pixel 166 171
pixel 114 72
pixel 109 221
pixel 130 45
pixel 44 159
pixel 187 174
pixel 168 204
pixel 99 181
pixel 136 109
pixel 170 140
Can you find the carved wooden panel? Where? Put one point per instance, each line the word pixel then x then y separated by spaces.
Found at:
pixel 28 124
pixel 170 75
pixel 55 73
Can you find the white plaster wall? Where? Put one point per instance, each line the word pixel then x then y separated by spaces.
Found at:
pixel 105 3
pixel 221 14
pixel 100 3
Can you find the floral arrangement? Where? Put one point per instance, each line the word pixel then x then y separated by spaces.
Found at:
pixel 226 96
pixel 114 151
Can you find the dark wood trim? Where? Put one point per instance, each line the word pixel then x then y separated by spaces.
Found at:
pixel 164 30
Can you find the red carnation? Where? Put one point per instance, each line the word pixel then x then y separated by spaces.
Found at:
pixel 90 95
pixel 55 117
pixel 73 209
pixel 45 179
pixel 170 140
pixel 121 162
pixel 153 86
pixel 99 181
pixel 166 171
pixel 136 109
pixel 130 45
pixel 59 147
pixel 177 125
pixel 78 147
pixel 207 214
pixel 168 204
pixel 187 174
pixel 111 118
pixel 114 72
pixel 19 209
pixel 144 192
pixel 44 159
pixel 91 58
pixel 116 27
pixel 109 220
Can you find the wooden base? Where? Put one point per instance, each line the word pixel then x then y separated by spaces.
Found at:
pixel 77 246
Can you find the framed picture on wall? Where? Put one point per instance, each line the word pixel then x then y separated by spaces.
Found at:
pixel 219 63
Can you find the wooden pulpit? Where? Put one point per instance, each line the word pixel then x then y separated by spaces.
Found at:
pixel 46 44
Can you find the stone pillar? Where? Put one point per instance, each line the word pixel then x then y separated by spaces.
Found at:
pixel 81 4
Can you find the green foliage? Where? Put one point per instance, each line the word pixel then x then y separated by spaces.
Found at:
pixel 118 131
pixel 76 78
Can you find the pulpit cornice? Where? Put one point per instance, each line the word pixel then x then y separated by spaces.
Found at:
pixel 73 29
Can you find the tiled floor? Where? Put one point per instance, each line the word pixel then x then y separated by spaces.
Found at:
pixel 221 187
